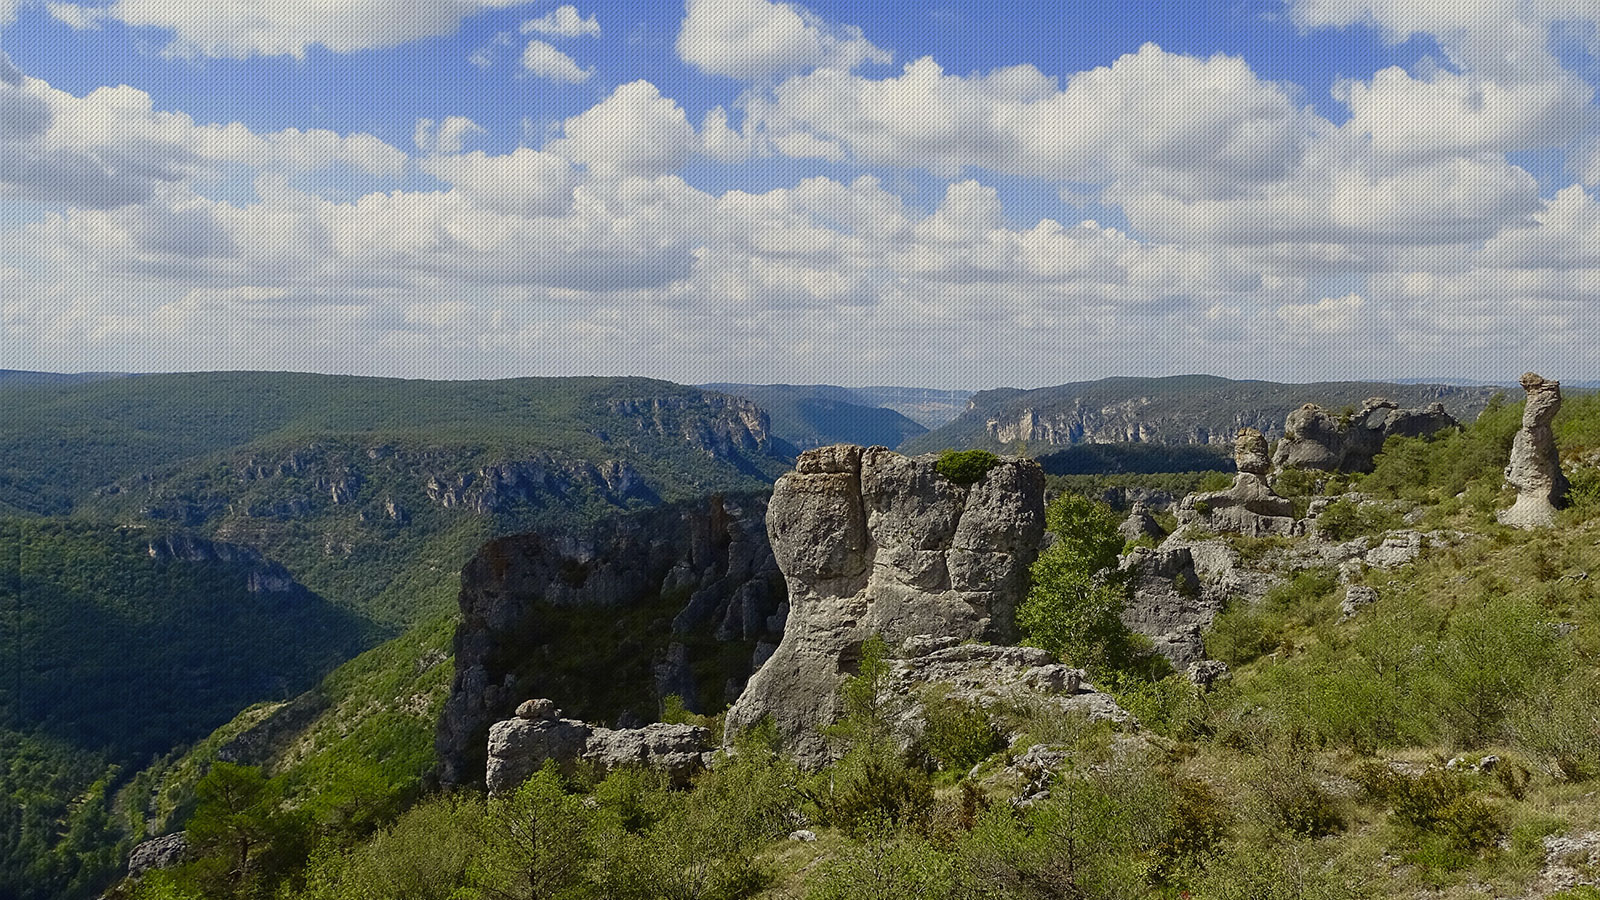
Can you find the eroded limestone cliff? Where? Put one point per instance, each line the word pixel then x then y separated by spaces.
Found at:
pixel 684 599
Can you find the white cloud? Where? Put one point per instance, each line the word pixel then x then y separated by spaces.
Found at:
pixel 544 61
pixel 754 39
pixel 1327 316
pixel 635 131
pixel 241 28
pixel 1449 113
pixel 525 182
pixel 1205 125
pixel 563 22
pixel 446 136
pixel 112 147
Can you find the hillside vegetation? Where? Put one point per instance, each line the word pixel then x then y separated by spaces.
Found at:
pixel 369 494
pixel 1317 769
pixel 114 655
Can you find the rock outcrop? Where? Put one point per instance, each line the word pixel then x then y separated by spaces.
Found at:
pixel 874 543
pixel 1140 523
pixel 987 676
pixel 1167 602
pixel 158 853
pixel 1249 507
pixel 1535 467
pixel 1314 438
pixel 681 600
pixel 520 746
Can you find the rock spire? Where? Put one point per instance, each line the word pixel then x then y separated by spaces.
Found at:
pixel 1535 469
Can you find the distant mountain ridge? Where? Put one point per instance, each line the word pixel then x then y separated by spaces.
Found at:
pixel 1183 409
pixel 816 415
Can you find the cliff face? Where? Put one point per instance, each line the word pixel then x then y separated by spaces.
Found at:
pixel 875 543
pixel 1188 409
pixel 675 600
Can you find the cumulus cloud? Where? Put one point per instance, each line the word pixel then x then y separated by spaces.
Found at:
pixel 1330 315
pixel 563 22
pixel 1450 114
pixel 755 39
pixel 1204 124
pixel 241 30
pixel 448 135
pixel 634 131
pixel 544 61
pixel 525 182
pixel 112 148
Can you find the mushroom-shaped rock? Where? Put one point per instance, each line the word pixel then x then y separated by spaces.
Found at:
pixel 1535 468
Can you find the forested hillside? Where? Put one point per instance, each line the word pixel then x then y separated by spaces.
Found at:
pixel 362 498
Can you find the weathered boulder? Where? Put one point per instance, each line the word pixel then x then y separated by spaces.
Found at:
pixel 1314 438
pixel 1535 468
pixel 992 678
pixel 158 853
pixel 874 543
pixel 677 751
pixel 519 747
pixel 1249 507
pixel 1140 524
pixel 1166 602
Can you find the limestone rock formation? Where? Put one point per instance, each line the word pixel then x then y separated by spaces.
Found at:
pixel 1535 468
pixel 520 746
pixel 677 751
pixel 872 542
pixel 1140 524
pixel 680 597
pixel 158 853
pixel 1314 438
pixel 1167 603
pixel 987 677
pixel 1249 507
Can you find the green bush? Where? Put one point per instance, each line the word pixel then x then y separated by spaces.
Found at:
pixel 965 466
pixel 1343 520
pixel 959 735
pixel 872 791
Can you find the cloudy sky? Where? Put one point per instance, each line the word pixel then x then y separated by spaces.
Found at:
pixel 923 193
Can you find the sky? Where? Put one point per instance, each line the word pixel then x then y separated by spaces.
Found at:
pixel 949 195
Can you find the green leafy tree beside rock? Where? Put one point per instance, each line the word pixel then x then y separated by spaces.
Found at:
pixel 1074 606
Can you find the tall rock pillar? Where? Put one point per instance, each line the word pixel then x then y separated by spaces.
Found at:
pixel 875 543
pixel 1535 467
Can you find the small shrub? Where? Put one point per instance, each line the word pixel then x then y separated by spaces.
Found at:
pixel 1343 520
pixel 959 736
pixel 1200 820
pixel 1439 804
pixel 1215 481
pixel 871 791
pixel 1294 482
pixel 1241 634
pixel 965 466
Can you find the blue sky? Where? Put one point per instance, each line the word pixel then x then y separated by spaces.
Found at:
pixel 950 195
